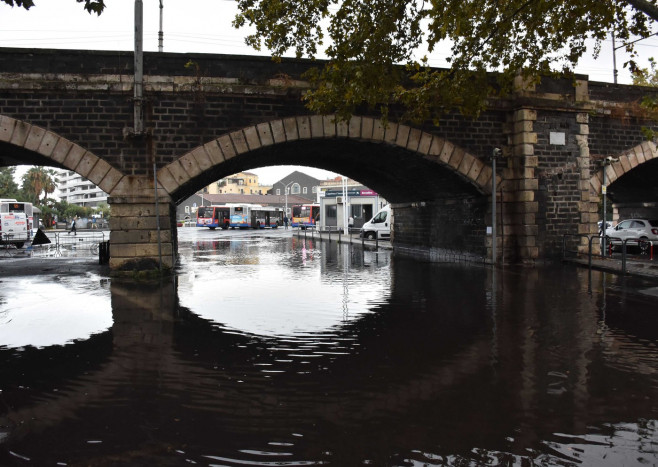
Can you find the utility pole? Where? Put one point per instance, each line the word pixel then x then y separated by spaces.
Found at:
pixel 614 57
pixel 139 69
pixel 160 33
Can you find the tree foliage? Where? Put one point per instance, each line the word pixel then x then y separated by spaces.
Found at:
pixel 8 187
pixel 648 77
pixel 92 6
pixel 368 41
pixel 36 181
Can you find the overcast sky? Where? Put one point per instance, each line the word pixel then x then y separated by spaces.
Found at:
pixel 197 26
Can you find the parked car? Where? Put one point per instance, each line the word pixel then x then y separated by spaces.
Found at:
pixel 634 229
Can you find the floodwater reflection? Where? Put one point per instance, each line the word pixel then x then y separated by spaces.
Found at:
pixel 272 351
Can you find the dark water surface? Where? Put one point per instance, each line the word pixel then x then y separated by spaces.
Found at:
pixel 272 351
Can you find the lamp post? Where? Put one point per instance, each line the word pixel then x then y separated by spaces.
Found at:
pixel 494 155
pixel 285 189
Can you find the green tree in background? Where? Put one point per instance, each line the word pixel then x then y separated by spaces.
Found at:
pixel 103 209
pixel 377 48
pixel 92 6
pixel 648 77
pixel 36 181
pixel 8 186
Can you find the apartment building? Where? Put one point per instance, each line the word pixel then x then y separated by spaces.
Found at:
pixel 243 183
pixel 75 189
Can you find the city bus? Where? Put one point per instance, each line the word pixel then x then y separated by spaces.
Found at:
pixel 239 215
pixel 244 217
pixel 214 216
pixel 268 216
pixel 305 215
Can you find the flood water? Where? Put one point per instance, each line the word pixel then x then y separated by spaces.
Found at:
pixel 268 350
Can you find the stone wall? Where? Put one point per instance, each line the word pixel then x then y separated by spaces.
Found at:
pixel 449 229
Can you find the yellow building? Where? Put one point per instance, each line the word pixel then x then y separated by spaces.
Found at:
pixel 243 183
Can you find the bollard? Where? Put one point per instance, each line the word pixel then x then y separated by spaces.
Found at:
pixel 339 234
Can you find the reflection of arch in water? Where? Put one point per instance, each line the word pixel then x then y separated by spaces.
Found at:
pixel 148 342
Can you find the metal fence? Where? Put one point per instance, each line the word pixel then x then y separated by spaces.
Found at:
pixel 82 244
pixel 645 247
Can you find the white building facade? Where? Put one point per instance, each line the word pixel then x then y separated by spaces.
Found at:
pixel 75 189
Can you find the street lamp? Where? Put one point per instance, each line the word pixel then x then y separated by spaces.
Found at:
pixel 604 190
pixel 497 152
pixel 285 189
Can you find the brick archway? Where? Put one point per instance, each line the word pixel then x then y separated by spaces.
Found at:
pixel 60 151
pixel 230 145
pixel 626 162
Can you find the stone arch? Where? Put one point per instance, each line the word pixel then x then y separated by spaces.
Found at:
pixel 626 162
pixel 307 127
pixel 61 151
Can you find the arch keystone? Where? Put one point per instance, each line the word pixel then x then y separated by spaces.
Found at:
pixel 304 127
pixel 317 126
pixel 367 127
pixel 329 126
pixel 378 130
pixel 354 127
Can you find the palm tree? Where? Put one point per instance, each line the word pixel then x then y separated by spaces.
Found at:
pixel 38 180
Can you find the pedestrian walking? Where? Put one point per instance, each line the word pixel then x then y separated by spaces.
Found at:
pixel 285 221
pixel 75 232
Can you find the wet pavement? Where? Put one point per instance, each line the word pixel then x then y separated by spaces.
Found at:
pixel 272 349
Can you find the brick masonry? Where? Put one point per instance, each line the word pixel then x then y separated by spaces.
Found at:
pixel 74 109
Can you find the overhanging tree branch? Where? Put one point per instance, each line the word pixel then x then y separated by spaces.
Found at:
pixel 646 7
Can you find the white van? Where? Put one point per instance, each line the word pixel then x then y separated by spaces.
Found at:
pixel 379 226
pixel 14 229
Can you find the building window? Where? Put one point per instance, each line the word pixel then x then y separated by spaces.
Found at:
pixel 314 189
pixel 278 191
pixel 187 209
pixel 305 190
pixel 295 190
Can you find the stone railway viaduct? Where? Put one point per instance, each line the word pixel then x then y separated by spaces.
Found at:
pixel 208 116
